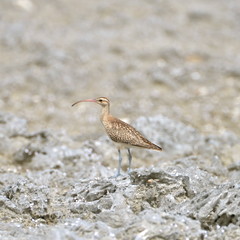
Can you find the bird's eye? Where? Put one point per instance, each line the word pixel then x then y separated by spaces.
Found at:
pixel 100 100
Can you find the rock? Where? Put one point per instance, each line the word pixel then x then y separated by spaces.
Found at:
pixel 170 68
pixel 11 125
pixel 215 207
pixel 169 134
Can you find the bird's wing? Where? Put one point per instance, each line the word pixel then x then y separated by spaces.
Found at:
pixel 122 132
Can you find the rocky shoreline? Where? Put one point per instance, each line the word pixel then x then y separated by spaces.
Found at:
pixel 53 191
pixel 170 68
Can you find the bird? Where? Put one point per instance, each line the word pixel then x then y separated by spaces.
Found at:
pixel 121 133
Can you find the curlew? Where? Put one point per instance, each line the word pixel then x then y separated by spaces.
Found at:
pixel 121 133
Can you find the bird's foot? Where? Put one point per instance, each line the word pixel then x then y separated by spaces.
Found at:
pixel 129 172
pixel 116 175
pixel 120 176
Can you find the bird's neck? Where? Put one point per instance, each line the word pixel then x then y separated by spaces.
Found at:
pixel 105 112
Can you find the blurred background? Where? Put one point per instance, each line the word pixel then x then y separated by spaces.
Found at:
pixel 176 58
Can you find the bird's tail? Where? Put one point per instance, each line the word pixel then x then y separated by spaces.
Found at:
pixel 156 147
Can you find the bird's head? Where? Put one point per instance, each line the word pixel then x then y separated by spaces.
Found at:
pixel 103 101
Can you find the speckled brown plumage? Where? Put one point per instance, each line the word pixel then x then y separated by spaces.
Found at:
pixel 122 132
pixel 124 135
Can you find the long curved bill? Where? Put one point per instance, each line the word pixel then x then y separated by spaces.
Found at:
pixel 86 100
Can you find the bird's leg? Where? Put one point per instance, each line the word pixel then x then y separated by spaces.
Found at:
pixel 129 160
pixel 119 163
